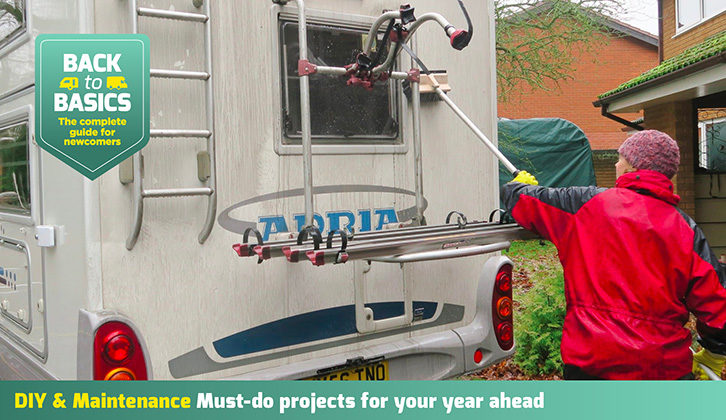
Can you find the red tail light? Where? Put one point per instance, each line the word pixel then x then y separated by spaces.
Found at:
pixel 504 281
pixel 502 307
pixel 117 354
pixel 505 331
pixel 118 349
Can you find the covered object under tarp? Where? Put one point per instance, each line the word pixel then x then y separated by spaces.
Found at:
pixel 554 150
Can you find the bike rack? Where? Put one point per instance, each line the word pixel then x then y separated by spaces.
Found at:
pixel 417 242
pixel 413 243
pixel 362 72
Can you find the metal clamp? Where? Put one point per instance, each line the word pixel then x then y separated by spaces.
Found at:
pixel 245 249
pixel 343 238
pixel 305 67
pixel 501 212
pixel 460 220
pixel 314 233
pixel 407 14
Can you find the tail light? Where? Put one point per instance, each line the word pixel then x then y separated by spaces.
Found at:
pixel 117 354
pixel 502 309
pixel 478 356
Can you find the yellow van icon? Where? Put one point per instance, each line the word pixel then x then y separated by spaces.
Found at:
pixel 116 82
pixel 69 83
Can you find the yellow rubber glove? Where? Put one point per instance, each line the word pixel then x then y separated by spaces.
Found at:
pixel 525 178
pixel 713 361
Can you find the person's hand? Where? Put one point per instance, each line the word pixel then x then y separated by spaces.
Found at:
pixel 713 361
pixel 525 178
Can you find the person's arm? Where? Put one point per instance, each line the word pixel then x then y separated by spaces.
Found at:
pixel 546 211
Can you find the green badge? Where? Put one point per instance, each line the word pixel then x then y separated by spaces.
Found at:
pixel 92 98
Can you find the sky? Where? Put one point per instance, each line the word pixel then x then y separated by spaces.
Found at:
pixel 642 14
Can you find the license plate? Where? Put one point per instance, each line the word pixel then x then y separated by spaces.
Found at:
pixel 377 371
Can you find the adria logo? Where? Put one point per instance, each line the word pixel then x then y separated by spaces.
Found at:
pixel 362 220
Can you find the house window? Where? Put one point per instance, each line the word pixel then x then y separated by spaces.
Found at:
pixel 340 114
pixel 12 20
pixel 712 139
pixel 692 12
pixel 14 180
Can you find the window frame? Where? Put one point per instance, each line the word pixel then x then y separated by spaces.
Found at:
pixel 683 29
pixel 20 210
pixel 21 115
pixel 702 131
pixel 399 145
pixel 18 36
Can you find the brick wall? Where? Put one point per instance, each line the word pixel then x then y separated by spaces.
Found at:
pixel 676 119
pixel 621 60
pixel 604 162
pixel 675 44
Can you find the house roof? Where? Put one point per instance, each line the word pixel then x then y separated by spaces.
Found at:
pixel 629 30
pixel 612 23
pixel 694 58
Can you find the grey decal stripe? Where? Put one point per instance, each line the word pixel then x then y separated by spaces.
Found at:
pixel 238 226
pixel 197 362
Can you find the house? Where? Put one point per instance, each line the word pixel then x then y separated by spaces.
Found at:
pixel 685 96
pixel 629 51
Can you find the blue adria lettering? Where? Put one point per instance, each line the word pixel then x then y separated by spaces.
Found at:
pixel 361 220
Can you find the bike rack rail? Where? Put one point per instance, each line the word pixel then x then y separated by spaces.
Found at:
pixel 411 244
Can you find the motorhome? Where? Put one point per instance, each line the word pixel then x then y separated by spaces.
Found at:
pixel 134 275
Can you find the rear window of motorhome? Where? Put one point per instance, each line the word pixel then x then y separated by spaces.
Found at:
pixel 339 113
pixel 14 180
pixel 12 19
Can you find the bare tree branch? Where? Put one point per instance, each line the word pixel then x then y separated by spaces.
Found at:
pixel 537 41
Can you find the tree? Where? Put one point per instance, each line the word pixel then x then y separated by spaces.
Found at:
pixel 538 41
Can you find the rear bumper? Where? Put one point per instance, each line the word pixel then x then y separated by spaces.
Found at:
pixel 431 356
pixel 16 365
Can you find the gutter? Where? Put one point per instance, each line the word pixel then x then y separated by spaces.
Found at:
pixel 701 65
pixel 621 120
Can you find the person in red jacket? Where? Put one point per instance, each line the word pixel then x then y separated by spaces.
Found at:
pixel 634 264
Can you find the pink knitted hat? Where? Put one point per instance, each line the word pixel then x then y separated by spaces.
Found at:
pixel 653 150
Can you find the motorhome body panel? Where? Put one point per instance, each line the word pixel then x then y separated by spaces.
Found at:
pixel 61 277
pixel 183 295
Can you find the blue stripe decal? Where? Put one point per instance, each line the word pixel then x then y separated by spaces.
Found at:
pixel 311 326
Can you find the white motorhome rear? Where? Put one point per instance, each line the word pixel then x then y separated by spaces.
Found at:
pixel 229 144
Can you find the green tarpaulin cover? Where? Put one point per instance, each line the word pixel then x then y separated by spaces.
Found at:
pixel 554 150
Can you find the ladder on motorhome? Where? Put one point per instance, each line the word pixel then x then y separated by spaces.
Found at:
pixel 205 159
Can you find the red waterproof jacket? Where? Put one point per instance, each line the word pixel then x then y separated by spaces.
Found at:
pixel 635 265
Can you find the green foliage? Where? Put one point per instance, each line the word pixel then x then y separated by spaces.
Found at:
pixel 712 46
pixel 537 42
pixel 538 329
pixel 538 319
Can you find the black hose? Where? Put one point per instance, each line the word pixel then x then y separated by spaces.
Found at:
pixel 470 31
pixel 382 45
